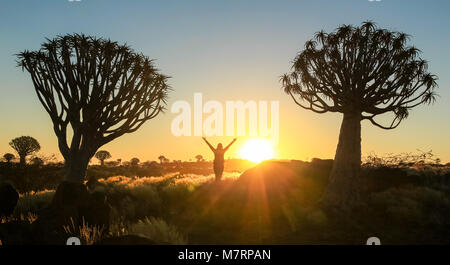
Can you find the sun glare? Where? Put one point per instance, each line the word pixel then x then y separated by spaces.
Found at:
pixel 257 150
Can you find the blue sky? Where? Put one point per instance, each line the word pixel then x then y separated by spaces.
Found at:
pixel 227 50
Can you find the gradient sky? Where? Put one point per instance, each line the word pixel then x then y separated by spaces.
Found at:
pixel 228 50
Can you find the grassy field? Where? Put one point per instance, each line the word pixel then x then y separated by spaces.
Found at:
pixel 273 203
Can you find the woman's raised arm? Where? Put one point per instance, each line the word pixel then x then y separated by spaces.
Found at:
pixel 210 146
pixel 232 142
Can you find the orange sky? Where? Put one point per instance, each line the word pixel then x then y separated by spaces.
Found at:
pixel 227 51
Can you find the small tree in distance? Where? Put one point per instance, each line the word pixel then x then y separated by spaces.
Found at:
pixel 25 146
pixel 361 72
pixel 199 158
pixel 161 159
pixel 102 155
pixel 8 157
pixel 134 161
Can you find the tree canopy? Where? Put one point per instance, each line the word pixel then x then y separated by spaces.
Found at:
pixel 102 155
pixel 95 87
pixel 24 146
pixel 364 70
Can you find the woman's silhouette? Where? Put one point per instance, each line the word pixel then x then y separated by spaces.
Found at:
pixel 219 157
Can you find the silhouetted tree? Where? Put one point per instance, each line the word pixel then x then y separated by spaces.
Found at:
pixel 199 158
pixel 102 155
pixel 24 146
pixel 134 161
pixel 362 72
pixel 161 159
pixel 8 157
pixel 98 87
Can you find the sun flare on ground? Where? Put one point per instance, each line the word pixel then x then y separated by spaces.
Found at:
pixel 257 150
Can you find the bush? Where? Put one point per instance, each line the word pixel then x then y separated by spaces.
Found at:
pixel 418 206
pixel 31 178
pixel 275 202
pixel 32 202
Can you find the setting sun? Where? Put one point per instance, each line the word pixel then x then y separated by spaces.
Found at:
pixel 257 150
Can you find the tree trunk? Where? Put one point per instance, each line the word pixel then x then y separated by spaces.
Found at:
pixel 76 168
pixel 343 181
pixel 102 163
pixel 22 160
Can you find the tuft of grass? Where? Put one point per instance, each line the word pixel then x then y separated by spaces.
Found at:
pixel 28 217
pixel 88 234
pixel 157 230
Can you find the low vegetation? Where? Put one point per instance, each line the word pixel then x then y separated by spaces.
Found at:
pixel 276 202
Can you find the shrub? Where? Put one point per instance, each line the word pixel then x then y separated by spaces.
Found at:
pixel 419 206
pixel 33 201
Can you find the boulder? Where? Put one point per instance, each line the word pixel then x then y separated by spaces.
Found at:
pixel 16 233
pixel 98 211
pixel 8 199
pixel 72 202
pixel 47 230
pixel 326 163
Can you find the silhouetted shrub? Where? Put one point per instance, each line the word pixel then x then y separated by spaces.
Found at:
pixel 418 206
pixel 32 202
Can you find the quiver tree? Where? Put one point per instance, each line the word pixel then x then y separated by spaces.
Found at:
pixel 96 88
pixel 8 157
pixel 102 155
pixel 361 72
pixel 161 159
pixel 134 161
pixel 199 158
pixel 25 146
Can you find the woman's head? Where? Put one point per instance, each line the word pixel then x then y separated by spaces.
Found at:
pixel 219 146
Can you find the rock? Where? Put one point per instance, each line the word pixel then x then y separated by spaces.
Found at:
pixel 72 201
pixel 8 199
pixel 98 211
pixel 16 233
pixel 47 230
pixel 91 183
pixel 327 163
pixel 126 240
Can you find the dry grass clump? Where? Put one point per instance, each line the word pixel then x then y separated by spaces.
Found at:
pixel 23 217
pixel 157 230
pixel 88 234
